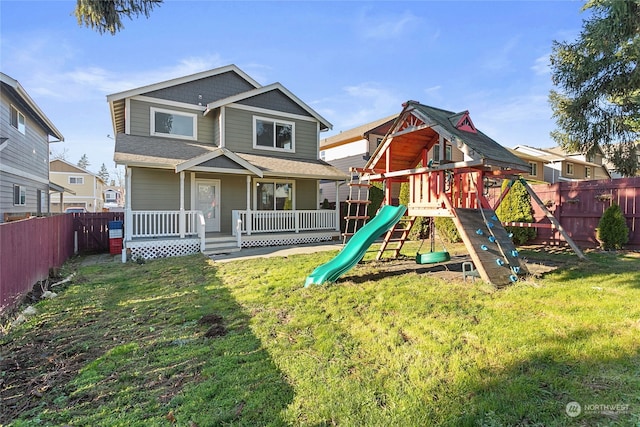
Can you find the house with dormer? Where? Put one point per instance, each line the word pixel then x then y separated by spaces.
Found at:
pixel 215 161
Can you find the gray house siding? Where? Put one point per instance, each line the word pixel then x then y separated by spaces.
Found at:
pixel 24 161
pixel 328 189
pixel 239 135
pixel 306 194
pixel 205 90
pixel 275 100
pixel 140 120
pixel 155 189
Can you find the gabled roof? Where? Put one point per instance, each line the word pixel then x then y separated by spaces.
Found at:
pixel 264 89
pixel 15 88
pixel 217 152
pixel 180 80
pixel 355 134
pixel 73 166
pixel 419 126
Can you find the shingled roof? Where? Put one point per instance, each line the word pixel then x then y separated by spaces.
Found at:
pixel 428 123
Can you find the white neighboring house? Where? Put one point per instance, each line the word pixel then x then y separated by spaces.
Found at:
pixel 87 186
pixel 113 198
pixel 560 166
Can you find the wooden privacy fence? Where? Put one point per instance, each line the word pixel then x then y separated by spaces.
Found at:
pixel 578 206
pixel 92 232
pixel 28 249
pixel 31 247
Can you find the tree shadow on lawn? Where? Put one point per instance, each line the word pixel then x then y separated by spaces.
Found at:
pixel 542 389
pixel 180 350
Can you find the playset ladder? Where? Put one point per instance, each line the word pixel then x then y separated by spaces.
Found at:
pixel 357 203
pixel 398 235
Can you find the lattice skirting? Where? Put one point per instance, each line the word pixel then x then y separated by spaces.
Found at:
pixel 278 241
pixel 162 248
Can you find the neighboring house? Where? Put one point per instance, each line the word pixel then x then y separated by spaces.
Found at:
pixel 612 169
pixel 212 153
pixel 536 165
pixel 352 149
pixel 88 187
pixel 113 198
pixel 561 166
pixel 25 133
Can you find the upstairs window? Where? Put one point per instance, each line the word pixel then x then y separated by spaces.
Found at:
pixel 587 172
pixel 270 134
pixel 79 180
pixel 569 168
pixel 173 124
pixel 533 169
pixel 17 120
pixel 19 195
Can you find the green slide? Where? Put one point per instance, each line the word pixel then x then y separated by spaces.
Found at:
pixel 357 246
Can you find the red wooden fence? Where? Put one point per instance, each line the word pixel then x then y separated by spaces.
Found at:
pixel 578 206
pixel 92 230
pixel 28 249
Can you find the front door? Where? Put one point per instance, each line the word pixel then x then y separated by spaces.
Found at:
pixel 208 201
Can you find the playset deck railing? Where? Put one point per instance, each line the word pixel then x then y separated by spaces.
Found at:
pixel 437 189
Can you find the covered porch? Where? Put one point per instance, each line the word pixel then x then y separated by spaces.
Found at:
pixel 225 202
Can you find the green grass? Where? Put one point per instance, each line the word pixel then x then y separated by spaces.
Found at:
pixel 402 350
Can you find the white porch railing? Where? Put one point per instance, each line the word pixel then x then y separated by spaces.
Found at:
pixel 147 224
pixel 285 221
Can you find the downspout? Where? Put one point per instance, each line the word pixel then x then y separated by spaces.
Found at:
pixel 128 213
pixel 248 217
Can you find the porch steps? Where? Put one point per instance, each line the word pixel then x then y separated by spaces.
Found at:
pixel 220 245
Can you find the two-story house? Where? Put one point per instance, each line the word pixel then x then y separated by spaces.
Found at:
pixel 113 198
pixel 88 188
pixel 25 133
pixel 561 166
pixel 215 160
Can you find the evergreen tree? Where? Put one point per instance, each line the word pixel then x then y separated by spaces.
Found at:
pixel 516 207
pixel 598 101
pixel 612 231
pixel 104 173
pixel 84 162
pixel 106 15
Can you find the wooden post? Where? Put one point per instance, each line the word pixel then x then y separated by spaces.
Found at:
pixel 553 220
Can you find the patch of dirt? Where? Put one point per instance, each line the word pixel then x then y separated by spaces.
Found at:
pixel 217 328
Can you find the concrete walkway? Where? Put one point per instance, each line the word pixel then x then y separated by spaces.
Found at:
pixel 275 251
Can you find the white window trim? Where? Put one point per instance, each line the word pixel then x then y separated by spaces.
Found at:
pixel 77 178
pixel 569 166
pixel 275 121
pixel 274 182
pixel 533 169
pixel 152 123
pixel 587 172
pixel 24 121
pixel 22 195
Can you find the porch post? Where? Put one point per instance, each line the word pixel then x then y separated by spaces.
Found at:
pixel 248 216
pixel 182 219
pixel 337 208
pixel 128 212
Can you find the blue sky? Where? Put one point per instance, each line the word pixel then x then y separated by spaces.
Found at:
pixel 353 62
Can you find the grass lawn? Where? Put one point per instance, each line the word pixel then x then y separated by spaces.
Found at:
pixel 188 342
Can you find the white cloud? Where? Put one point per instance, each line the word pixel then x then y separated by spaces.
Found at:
pixel 541 66
pixel 387 26
pixel 500 59
pixel 359 104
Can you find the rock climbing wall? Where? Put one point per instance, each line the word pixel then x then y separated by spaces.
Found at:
pixel 490 246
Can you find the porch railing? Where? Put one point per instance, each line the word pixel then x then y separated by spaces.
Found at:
pixel 148 224
pixel 285 221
